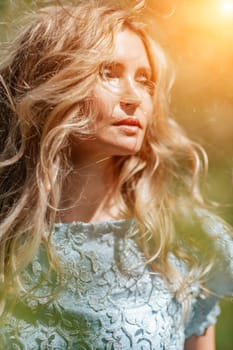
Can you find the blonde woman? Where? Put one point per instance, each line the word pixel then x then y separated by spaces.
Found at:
pixel 100 241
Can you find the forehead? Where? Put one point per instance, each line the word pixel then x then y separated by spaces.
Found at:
pixel 128 46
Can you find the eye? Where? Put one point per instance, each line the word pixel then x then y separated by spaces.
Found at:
pixel 145 80
pixel 110 71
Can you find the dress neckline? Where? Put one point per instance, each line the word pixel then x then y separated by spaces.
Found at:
pixel 100 227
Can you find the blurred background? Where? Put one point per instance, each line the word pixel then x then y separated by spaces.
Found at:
pixel 198 37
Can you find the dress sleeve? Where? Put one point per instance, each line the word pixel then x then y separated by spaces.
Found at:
pixel 204 314
pixel 205 308
pixel 220 278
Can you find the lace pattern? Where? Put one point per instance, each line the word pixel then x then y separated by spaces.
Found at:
pixel 109 299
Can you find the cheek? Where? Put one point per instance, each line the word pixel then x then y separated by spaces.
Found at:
pixel 148 109
pixel 104 104
pixel 103 112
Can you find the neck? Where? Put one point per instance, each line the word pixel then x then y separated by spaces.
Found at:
pixel 86 195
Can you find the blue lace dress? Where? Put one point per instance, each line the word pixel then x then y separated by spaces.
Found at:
pixel 109 299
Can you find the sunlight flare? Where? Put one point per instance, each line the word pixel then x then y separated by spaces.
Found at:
pixel 226 7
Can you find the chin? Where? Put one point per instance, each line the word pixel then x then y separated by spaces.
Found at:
pixel 128 152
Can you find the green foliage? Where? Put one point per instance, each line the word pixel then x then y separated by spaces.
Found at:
pixel 3 4
pixel 224 329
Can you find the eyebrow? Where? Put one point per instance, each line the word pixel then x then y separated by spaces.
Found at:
pixel 120 64
pixel 147 70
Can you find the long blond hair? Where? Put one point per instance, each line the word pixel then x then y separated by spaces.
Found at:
pixel 45 90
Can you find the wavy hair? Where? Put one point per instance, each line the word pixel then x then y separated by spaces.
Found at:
pixel 45 89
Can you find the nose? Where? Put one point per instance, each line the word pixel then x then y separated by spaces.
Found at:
pixel 130 97
pixel 129 105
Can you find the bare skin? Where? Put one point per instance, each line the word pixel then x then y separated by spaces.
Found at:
pixel 202 342
pixel 86 194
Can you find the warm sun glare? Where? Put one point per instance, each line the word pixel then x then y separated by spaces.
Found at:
pixel 226 7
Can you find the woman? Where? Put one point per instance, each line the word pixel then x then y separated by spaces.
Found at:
pixel 97 185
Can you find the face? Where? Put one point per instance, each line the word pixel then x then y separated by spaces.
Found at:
pixel 124 98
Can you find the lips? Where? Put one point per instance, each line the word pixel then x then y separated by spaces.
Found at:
pixel 129 122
